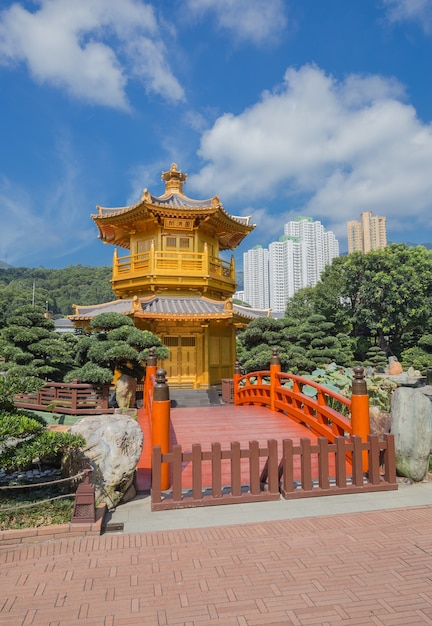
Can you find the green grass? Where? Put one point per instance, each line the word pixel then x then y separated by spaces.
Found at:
pixel 56 418
pixel 15 514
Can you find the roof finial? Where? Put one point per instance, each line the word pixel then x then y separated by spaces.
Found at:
pixel 174 180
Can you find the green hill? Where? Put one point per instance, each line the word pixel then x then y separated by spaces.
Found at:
pixel 55 289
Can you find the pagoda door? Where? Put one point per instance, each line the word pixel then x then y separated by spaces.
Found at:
pixel 181 366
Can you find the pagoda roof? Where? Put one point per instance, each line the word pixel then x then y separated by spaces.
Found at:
pixel 114 223
pixel 86 312
pixel 171 307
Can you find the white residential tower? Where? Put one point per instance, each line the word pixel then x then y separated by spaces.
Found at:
pixel 295 261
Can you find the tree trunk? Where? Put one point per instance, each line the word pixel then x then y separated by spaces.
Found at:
pixel 126 391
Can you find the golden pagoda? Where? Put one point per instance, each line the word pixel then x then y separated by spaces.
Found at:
pixel 173 282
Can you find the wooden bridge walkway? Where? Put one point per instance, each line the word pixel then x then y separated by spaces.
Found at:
pixel 222 424
pixel 280 423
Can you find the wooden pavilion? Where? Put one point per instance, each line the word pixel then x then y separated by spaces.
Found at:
pixel 174 282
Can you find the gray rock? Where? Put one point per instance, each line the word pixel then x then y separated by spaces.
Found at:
pixel 114 444
pixel 411 424
pixel 426 390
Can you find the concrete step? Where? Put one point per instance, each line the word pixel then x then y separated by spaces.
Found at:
pixel 194 397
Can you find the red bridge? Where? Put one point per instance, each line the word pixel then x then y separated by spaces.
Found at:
pixel 275 440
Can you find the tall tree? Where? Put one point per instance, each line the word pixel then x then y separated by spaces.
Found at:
pixel 383 297
pixel 390 293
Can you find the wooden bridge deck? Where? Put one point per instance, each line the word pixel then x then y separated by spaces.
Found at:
pixel 222 424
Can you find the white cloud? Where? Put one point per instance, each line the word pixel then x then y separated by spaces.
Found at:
pixel 414 10
pixel 91 48
pixel 259 21
pixel 325 148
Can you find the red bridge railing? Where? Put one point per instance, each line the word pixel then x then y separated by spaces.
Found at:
pixel 285 393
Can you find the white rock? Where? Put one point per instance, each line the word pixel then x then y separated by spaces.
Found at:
pixel 114 445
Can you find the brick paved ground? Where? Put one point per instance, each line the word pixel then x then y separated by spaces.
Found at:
pixel 360 568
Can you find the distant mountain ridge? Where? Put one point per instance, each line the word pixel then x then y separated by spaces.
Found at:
pixel 409 244
pixel 4 265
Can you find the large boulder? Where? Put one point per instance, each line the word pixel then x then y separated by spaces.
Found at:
pixel 411 424
pixel 114 445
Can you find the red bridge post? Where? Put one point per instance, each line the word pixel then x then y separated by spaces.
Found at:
pixel 149 378
pixel 360 410
pixel 275 368
pixel 237 376
pixel 160 420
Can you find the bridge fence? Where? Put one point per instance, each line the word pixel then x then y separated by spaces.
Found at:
pixel 258 473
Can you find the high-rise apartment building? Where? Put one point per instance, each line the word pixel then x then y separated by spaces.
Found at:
pixel 368 234
pixel 293 262
pixel 288 260
pixel 256 277
pixel 322 246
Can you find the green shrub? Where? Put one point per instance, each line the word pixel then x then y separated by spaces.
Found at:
pixel 340 379
pixel 417 358
pixel 18 426
pixel 24 441
pixel 10 386
pixel 90 373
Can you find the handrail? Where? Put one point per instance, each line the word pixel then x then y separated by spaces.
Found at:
pixel 316 413
pixel 180 262
pixel 67 398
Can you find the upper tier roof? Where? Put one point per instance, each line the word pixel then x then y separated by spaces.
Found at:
pixel 113 223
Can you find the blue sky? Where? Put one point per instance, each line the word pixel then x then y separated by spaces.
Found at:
pixel 281 107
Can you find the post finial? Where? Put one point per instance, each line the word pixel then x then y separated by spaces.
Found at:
pixel 161 389
pixel 359 387
pixel 151 358
pixel 275 360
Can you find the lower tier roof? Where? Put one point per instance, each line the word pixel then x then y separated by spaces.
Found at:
pixel 171 307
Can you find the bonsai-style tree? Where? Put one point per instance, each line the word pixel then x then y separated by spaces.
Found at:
pixel 302 344
pixel 375 357
pixel 31 347
pixel 113 346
